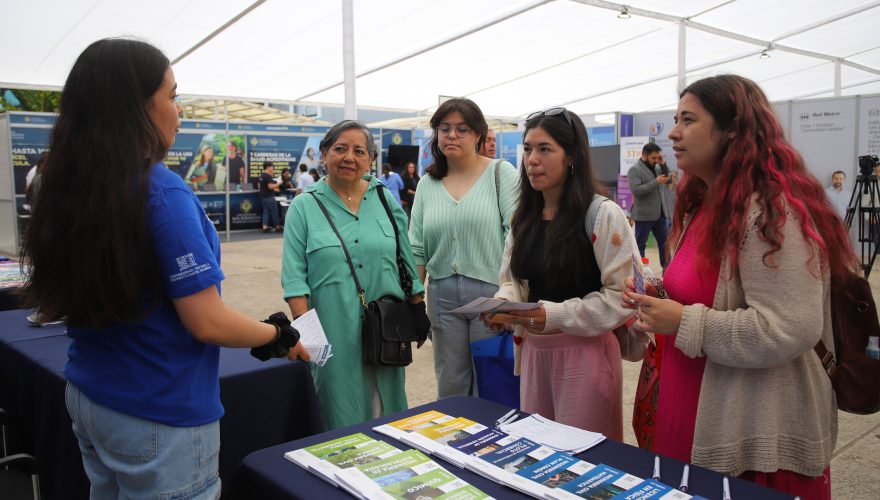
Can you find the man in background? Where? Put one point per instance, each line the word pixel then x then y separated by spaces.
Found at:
pixel 488 149
pixel 650 208
pixel 392 181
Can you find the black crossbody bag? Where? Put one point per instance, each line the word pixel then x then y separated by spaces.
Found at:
pixel 388 327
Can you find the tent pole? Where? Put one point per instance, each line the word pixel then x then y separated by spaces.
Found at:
pixel 682 55
pixel 348 59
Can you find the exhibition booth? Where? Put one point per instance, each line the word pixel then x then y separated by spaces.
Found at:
pixel 830 133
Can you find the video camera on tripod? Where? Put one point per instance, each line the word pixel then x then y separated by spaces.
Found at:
pixel 865 201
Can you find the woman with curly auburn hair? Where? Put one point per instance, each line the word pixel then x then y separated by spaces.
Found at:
pixel 756 244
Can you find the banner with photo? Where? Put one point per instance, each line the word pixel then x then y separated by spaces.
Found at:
pixel 282 151
pixel 199 158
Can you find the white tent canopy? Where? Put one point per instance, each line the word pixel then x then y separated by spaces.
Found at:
pixel 511 56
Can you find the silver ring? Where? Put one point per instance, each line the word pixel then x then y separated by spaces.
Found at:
pixel 531 321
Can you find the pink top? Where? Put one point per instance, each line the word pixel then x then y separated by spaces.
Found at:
pixel 681 376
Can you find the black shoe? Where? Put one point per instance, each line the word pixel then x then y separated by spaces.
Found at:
pixel 265 229
pixel 279 229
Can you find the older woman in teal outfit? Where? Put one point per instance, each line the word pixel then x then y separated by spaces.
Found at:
pixel 315 274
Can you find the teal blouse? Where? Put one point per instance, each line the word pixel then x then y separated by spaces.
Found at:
pixel 313 265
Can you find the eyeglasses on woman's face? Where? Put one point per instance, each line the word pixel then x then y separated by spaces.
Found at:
pixel 460 129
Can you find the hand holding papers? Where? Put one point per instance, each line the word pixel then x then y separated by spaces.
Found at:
pixel 489 305
pixel 312 336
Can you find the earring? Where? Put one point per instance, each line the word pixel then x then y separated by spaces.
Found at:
pixel 571 169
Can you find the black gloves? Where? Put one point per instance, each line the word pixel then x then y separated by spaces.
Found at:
pixel 420 317
pixel 286 337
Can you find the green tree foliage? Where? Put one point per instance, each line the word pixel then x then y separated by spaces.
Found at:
pixel 31 100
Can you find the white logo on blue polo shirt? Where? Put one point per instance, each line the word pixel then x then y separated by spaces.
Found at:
pixel 186 261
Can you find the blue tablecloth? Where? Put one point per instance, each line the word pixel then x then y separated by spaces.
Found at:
pixel 267 474
pixel 266 403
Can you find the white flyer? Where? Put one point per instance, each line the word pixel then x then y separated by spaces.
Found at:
pixel 313 338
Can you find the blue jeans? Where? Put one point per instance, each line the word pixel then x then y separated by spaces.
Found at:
pixel 130 457
pixel 270 209
pixel 660 229
pixel 452 334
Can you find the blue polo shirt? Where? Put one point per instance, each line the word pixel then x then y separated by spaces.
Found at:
pixel 154 368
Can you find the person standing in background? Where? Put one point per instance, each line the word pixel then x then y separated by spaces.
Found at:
pixel 649 208
pixel 410 179
pixel 392 181
pixel 488 148
pixel 304 179
pixel 268 189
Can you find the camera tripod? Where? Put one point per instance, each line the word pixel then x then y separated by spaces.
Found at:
pixel 866 190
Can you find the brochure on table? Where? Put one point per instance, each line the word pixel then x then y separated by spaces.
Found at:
pixel 368 468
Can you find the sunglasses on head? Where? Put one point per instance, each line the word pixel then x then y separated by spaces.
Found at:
pixel 551 112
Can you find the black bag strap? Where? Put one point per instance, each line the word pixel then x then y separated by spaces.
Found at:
pixel 402 271
pixel 357 284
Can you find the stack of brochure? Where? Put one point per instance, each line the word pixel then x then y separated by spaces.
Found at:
pixel 526 465
pixel 558 436
pixel 371 469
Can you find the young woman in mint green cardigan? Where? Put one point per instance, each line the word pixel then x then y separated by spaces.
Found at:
pixel 460 217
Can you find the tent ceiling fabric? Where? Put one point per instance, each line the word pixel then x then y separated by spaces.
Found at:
pixel 510 56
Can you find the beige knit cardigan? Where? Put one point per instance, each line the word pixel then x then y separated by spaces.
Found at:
pixel 765 402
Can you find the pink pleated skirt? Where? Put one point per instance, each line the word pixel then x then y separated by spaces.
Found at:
pixel 574 380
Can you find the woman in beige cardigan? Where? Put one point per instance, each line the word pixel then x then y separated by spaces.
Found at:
pixel 756 244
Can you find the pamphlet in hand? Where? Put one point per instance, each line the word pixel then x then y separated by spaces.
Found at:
pixel 490 305
pixel 313 338
pixel 638 276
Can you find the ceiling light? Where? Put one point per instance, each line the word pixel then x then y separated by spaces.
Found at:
pixel 624 14
pixel 764 54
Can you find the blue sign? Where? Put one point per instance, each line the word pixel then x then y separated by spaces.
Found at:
pixel 602 136
pixel 202 125
pixel 32 118
pixel 508 145
pixel 27 144
pixel 282 151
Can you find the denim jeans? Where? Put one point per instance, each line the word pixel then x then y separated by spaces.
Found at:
pixel 270 210
pixel 660 229
pixel 130 457
pixel 452 334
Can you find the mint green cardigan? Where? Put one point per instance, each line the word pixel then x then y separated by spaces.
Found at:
pixel 464 237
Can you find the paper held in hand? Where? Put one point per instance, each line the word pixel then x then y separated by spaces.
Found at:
pixel 312 336
pixel 490 305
